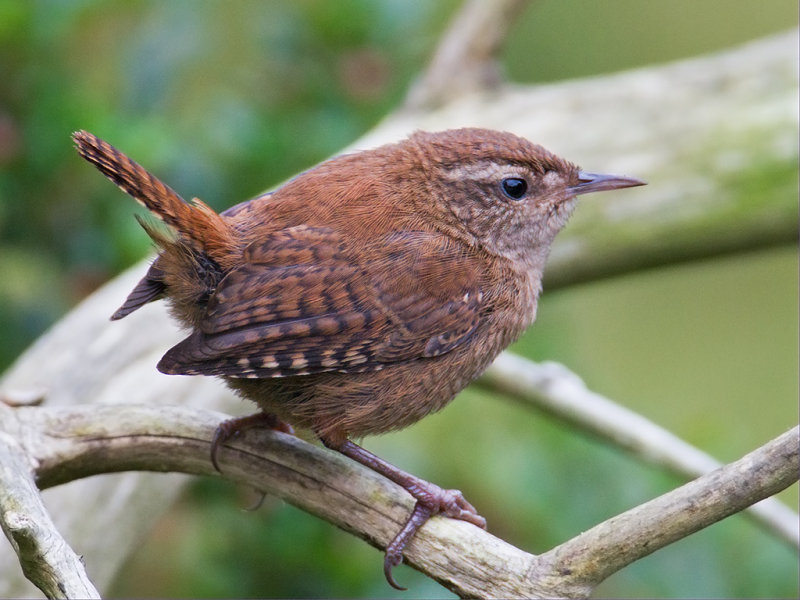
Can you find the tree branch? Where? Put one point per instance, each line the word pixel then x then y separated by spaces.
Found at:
pixel 70 443
pixel 715 137
pixel 591 557
pixel 556 390
pixel 466 60
pixel 46 558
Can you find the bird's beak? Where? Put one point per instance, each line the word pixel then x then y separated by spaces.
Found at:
pixel 599 182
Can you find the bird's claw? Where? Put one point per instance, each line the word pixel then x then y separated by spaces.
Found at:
pixel 391 560
pixel 454 505
pixel 431 500
pixel 232 427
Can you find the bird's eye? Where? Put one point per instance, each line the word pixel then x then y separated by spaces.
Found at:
pixel 514 187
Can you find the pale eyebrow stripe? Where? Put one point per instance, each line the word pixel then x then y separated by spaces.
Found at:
pixel 486 171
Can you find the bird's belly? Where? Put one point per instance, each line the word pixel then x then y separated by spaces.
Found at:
pixel 358 404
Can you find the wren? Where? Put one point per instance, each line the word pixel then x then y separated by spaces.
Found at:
pixel 366 292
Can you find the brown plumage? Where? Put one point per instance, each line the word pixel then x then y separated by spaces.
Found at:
pixel 364 293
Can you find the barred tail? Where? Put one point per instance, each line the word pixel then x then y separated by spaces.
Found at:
pixel 199 226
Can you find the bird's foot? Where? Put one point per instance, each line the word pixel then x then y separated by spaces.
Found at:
pixel 431 500
pixel 450 503
pixel 233 427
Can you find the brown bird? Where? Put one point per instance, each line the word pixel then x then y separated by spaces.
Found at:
pixel 366 292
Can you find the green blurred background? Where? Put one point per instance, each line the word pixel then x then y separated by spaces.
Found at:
pixel 224 100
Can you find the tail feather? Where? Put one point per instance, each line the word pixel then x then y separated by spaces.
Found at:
pixel 198 225
pixel 150 288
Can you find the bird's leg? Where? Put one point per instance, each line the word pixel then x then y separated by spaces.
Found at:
pixel 233 427
pixel 431 500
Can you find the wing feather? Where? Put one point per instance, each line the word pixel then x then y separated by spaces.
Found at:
pixel 302 304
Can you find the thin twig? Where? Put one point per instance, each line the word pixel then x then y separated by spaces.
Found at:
pixel 591 557
pixel 553 388
pixel 466 59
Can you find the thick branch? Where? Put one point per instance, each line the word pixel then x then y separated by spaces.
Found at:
pixel 84 357
pixel 715 137
pixel 77 442
pixel 46 558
